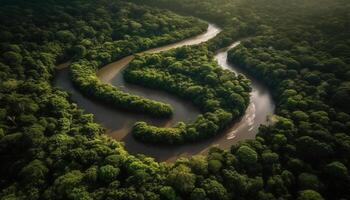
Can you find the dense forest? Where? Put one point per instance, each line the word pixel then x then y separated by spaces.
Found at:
pixel 133 29
pixel 189 72
pixel 52 149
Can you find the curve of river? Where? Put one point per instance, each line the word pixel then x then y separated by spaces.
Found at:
pixel 119 123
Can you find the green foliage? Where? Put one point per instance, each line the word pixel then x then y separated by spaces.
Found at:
pixel 186 72
pixel 131 34
pixel 309 195
pixel 65 184
pixel 35 172
pixel 182 179
pixel 247 156
pixel 308 181
pixel 50 149
pixel 199 165
pixel 65 36
pixel 341 97
pixel 108 173
pixel 198 194
pixel 337 170
pixel 214 166
pixel 12 58
pixel 167 193
pixel 215 190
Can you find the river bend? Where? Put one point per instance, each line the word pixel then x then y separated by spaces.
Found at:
pixel 119 123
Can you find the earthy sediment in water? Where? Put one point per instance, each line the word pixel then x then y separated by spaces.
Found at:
pixel 119 123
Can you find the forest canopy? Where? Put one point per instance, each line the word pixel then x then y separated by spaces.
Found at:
pixel 52 149
pixel 191 73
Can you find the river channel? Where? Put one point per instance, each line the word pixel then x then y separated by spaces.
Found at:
pixel 119 123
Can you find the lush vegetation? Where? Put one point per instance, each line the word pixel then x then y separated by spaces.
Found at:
pixel 130 29
pixel 50 149
pixel 191 73
pixel 301 51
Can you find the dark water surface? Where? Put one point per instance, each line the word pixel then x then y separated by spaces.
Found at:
pixel 119 123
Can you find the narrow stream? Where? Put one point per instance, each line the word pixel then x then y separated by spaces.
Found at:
pixel 119 123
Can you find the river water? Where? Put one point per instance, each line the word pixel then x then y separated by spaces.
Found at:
pixel 119 123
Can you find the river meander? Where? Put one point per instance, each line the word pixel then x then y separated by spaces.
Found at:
pixel 119 123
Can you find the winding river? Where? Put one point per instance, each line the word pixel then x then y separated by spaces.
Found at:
pixel 119 123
